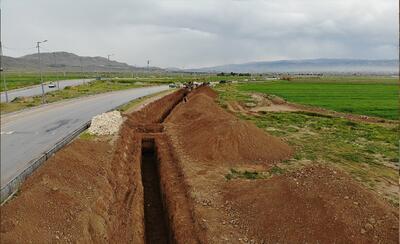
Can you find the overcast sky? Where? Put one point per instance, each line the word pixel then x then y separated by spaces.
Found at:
pixel 197 33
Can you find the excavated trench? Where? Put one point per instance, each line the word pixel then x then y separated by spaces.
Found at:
pixel 156 226
pixel 167 212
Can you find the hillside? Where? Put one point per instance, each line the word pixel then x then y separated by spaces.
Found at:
pixel 64 61
pixel 311 65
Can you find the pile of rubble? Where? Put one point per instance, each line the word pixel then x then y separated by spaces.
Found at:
pixel 106 123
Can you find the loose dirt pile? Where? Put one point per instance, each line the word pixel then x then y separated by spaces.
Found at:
pixel 205 90
pixel 89 192
pixel 312 205
pixel 156 112
pixel 106 123
pixel 309 205
pixel 208 133
pixel 65 200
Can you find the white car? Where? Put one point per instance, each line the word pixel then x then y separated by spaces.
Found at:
pixel 52 85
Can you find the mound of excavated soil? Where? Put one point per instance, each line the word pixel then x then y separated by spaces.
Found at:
pixel 208 133
pixel 312 205
pixel 156 111
pixel 206 90
pixel 65 200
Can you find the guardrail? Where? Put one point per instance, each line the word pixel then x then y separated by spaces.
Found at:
pixel 11 187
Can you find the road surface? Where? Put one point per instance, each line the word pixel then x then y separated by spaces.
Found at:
pixel 27 134
pixel 37 90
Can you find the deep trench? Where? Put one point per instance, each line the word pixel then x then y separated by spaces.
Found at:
pixel 156 226
pixel 157 229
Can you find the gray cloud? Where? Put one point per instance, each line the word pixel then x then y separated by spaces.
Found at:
pixel 193 33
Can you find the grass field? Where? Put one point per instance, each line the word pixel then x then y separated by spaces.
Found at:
pixel 368 152
pixel 92 88
pixel 359 95
pixel 19 80
pixel 22 79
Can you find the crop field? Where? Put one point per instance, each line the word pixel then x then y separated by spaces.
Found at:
pixel 366 96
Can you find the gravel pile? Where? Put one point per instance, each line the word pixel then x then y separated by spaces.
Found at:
pixel 106 123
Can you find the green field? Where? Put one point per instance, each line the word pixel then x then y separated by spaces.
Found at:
pixel 368 152
pixel 366 96
pixel 19 80
pixel 94 87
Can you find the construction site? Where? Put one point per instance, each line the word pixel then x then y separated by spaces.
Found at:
pixel 183 169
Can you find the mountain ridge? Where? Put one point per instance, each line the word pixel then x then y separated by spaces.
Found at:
pixel 65 61
pixel 323 65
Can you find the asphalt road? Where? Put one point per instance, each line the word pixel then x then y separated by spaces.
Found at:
pixel 37 90
pixel 27 134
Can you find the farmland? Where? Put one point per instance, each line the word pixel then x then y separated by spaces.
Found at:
pixel 365 96
pixel 367 151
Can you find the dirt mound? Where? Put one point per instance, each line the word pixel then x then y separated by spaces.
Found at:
pixel 208 133
pixel 156 111
pixel 206 90
pixel 64 200
pixel 312 205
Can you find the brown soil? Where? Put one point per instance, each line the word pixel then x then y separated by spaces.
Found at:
pixel 89 192
pixel 205 90
pixel 209 133
pixel 312 205
pixel 100 191
pixel 64 200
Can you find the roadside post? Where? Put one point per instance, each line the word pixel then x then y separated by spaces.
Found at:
pixel 40 69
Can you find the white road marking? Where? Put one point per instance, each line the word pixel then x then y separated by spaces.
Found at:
pixel 7 132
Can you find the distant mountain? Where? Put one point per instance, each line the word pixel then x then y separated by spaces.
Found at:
pixel 63 61
pixel 310 66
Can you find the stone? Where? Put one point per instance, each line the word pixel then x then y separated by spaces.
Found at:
pixel 106 123
pixel 368 226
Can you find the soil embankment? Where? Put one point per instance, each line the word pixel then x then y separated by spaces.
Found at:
pixel 209 133
pixel 164 181
pixel 310 205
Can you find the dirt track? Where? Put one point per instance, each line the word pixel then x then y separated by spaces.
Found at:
pixel 93 191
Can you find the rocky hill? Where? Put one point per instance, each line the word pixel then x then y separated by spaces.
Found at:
pixel 63 61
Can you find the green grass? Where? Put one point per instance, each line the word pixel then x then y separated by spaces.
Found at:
pixel 373 97
pixel 92 88
pixel 368 152
pixel 254 175
pixel 250 175
pixel 23 79
pixel 87 136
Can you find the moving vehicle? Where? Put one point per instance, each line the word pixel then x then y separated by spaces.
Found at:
pixel 52 85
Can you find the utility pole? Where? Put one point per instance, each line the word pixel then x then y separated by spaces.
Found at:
pixel 55 66
pixel 108 58
pixel 1 64
pixel 80 61
pixel 40 69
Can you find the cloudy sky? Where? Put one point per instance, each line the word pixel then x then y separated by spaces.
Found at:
pixel 198 33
